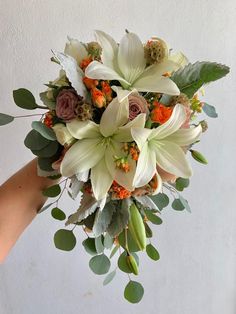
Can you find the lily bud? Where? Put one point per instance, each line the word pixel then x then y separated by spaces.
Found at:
pixel 137 228
pixel 198 157
pixel 132 264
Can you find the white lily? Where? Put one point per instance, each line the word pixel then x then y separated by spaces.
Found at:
pixel 98 145
pixel 126 63
pixel 163 146
pixel 75 49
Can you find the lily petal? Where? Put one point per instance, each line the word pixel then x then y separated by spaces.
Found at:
pixel 159 184
pixel 109 49
pixel 82 156
pixel 97 70
pixel 179 58
pixel 184 137
pixel 122 93
pixel 175 121
pixel 140 135
pixel 131 58
pixel 124 133
pixel 115 115
pixel 75 49
pixel 171 158
pixel 83 129
pixel 146 166
pixel 101 179
pixel 73 72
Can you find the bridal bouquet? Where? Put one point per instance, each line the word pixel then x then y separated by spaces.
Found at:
pixel 119 124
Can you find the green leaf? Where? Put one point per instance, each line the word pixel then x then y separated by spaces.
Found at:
pixel 177 204
pixel 45 164
pixel 148 230
pixel 52 191
pixel 99 245
pixel 45 208
pixel 122 262
pixel 47 102
pixel 134 292
pixel 181 184
pixel 100 264
pixel 108 241
pixel 161 200
pixel 24 99
pixel 35 141
pixel 109 278
pixel 5 119
pixel 119 220
pixel 114 250
pixel 152 252
pixel 185 203
pixel 209 110
pixel 47 151
pixel 103 218
pixel 58 214
pixel 64 240
pixel 89 246
pixel 193 76
pixel 156 220
pixel 55 176
pixel 132 245
pixel 45 131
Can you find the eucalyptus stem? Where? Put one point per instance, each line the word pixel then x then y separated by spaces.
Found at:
pixel 28 115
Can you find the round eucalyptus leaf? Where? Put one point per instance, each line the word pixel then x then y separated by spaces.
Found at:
pixel 45 163
pixel 64 240
pixel 152 252
pixel 100 264
pixel 161 200
pixel 109 278
pixel 5 119
pixel 181 184
pixel 177 204
pixel 134 292
pixel 156 220
pixel 23 98
pixel 52 191
pixel 89 246
pixel 210 110
pixel 45 131
pixel 58 214
pixel 122 262
pixel 47 151
pixel 35 141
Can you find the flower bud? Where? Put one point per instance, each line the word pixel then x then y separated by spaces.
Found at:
pixel 98 98
pixel 131 262
pixel 136 227
pixel 198 157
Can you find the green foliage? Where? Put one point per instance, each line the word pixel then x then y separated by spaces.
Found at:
pixel 181 184
pixel 177 205
pixel 109 278
pixel 148 230
pixel 5 119
pixel 48 151
pixel 152 252
pixel 103 218
pixel 161 200
pixel 58 214
pixel 124 265
pixel 131 243
pixel 52 191
pixel 108 241
pixel 47 102
pixel 35 141
pixel 185 203
pixel 134 292
pixel 137 228
pixel 99 244
pixel 100 264
pixel 198 157
pixel 89 245
pixel 23 98
pixel 209 110
pixel 119 220
pixel 45 131
pixel 156 220
pixel 45 164
pixel 64 240
pixel 193 76
pixel 45 208
pixel 114 250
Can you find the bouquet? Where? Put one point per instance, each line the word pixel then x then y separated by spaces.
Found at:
pixel 119 124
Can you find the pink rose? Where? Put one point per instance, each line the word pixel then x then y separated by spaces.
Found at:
pixel 66 104
pixel 137 105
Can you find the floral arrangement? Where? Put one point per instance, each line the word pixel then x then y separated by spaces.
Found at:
pixel 118 123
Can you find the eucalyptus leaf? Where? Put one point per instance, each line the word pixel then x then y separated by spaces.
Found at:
pixel 114 250
pixel 185 203
pixel 45 208
pixel 134 292
pixel 5 119
pixel 109 278
pixel 209 110
pixel 89 245
pixel 108 241
pixel 47 102
pixel 47 151
pixel 99 244
pixel 45 131
pixel 100 264
pixel 58 214
pixel 181 184
pixel 52 191
pixel 156 220
pixel 35 141
pixel 161 200
pixel 119 220
pixel 152 252
pixel 177 205
pixel 45 164
pixel 24 99
pixel 64 240
pixel 193 76
pixel 122 262
pixel 148 230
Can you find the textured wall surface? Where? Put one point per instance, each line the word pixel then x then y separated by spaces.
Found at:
pixel 197 270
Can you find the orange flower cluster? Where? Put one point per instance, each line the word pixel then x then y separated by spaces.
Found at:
pixel 132 150
pixel 160 113
pixel 48 119
pixel 122 163
pixel 85 62
pixel 119 192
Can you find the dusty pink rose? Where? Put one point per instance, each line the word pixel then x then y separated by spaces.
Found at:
pixel 67 101
pixel 137 105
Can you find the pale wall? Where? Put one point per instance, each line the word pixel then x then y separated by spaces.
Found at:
pixel 196 273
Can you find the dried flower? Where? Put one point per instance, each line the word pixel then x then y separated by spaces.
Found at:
pixel 84 112
pixel 155 51
pixel 94 50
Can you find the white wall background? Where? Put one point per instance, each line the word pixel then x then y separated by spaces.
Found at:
pixel 197 270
